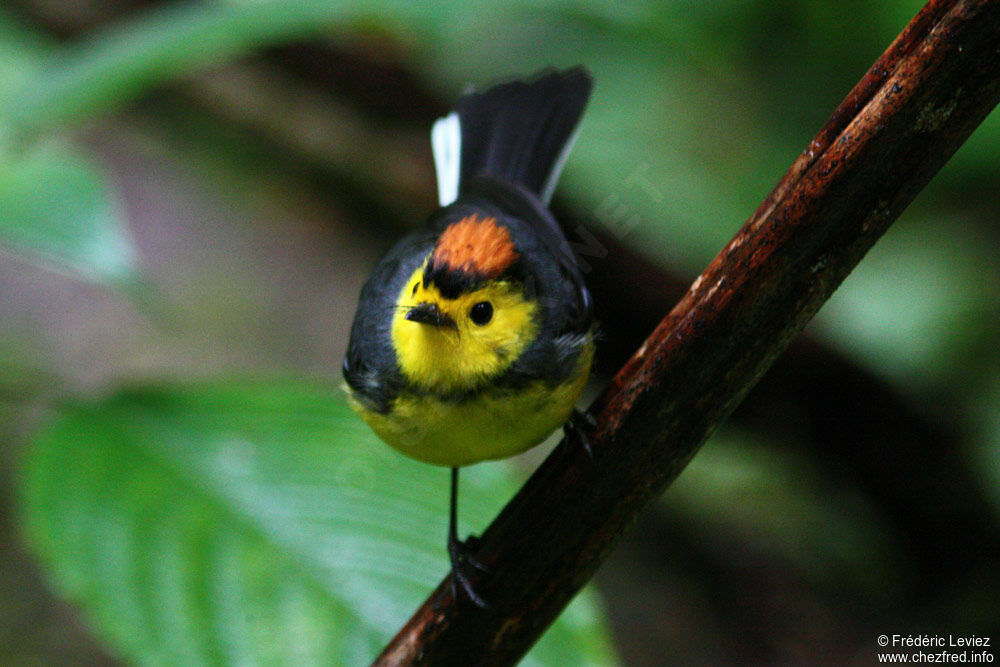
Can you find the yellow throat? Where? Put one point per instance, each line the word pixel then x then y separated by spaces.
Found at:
pixel 463 357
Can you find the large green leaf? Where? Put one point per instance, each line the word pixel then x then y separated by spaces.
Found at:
pixel 252 523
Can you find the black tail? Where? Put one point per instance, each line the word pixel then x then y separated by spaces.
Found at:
pixel 519 131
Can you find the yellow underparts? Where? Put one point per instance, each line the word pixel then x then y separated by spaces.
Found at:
pixel 489 426
pixel 493 423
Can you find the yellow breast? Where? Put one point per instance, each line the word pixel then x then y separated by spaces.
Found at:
pixel 492 425
pixel 444 359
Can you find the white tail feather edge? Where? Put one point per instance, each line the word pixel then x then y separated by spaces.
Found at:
pixel 446 145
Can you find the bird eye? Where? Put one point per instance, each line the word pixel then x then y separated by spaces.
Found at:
pixel 481 313
pixel 415 286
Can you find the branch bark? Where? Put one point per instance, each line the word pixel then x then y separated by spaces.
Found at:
pixel 896 128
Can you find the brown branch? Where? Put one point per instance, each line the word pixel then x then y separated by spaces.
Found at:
pixel 898 126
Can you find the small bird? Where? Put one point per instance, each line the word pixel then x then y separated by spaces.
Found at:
pixel 474 336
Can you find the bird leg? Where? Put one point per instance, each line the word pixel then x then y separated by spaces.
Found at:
pixel 461 553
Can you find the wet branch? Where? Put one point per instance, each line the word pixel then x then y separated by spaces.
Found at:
pixel 895 129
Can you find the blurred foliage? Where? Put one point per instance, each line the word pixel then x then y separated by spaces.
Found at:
pixel 735 485
pixel 175 549
pixel 72 221
pixel 252 523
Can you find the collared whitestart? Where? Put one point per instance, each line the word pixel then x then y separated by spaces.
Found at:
pixel 473 336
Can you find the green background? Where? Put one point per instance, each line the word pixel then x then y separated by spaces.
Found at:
pixel 191 195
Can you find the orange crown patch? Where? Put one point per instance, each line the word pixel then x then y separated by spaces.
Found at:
pixel 475 245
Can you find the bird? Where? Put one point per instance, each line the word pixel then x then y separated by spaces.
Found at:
pixel 474 335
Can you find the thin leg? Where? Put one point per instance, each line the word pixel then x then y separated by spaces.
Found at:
pixel 459 552
pixel 453 516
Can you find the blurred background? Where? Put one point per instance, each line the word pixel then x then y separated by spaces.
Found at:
pixel 191 195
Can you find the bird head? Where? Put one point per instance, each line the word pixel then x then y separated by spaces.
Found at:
pixel 463 317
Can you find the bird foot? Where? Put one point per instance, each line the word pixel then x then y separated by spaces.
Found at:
pixel 576 428
pixel 462 556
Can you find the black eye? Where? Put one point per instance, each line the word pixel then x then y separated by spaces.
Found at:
pixel 481 313
pixel 415 286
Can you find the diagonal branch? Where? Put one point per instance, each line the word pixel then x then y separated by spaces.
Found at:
pixel 899 125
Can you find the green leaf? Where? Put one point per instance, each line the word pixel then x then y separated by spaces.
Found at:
pixel 252 523
pixel 58 208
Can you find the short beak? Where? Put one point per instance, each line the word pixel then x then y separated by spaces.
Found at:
pixel 429 313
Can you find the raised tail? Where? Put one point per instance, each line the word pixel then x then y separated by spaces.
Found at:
pixel 520 132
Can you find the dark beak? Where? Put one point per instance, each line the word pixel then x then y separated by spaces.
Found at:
pixel 429 313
